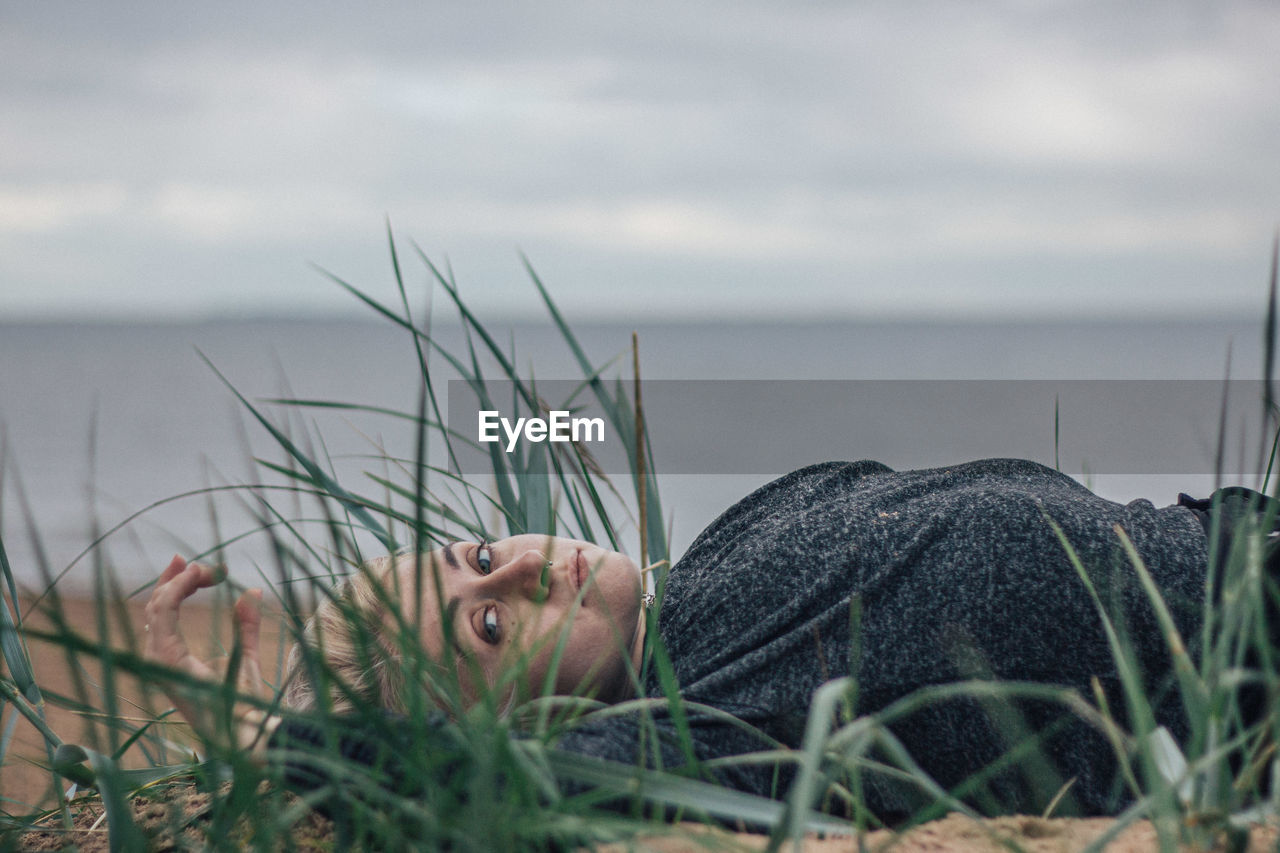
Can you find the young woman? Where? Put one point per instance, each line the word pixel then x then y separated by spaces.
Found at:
pixel 901 579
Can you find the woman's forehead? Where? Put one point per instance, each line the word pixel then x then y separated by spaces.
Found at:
pixel 412 579
pixel 410 560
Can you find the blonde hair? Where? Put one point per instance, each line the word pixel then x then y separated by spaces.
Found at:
pixel 347 645
pixel 355 644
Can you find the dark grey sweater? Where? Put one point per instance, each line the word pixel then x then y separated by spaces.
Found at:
pixel 959 575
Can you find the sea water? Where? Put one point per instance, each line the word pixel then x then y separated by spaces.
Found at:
pixel 134 433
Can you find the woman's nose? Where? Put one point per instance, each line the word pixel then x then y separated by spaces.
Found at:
pixel 526 574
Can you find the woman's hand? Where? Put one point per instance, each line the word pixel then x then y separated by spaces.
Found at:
pixel 166 645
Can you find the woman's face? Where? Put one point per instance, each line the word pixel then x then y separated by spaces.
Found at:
pixel 516 598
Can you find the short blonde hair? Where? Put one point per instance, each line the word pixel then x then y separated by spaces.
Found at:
pixel 347 645
pixel 355 642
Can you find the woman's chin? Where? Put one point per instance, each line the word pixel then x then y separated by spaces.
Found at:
pixel 618 582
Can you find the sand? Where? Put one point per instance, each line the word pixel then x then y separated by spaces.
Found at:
pixel 22 780
pixel 959 834
pixel 954 834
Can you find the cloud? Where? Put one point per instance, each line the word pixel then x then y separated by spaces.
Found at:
pixel 635 224
pixel 44 208
pixel 815 141
pixel 225 215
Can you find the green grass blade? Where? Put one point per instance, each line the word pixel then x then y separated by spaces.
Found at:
pixel 1194 693
pixel 123 834
pixel 319 476
pixel 679 792
pixel 1136 702
pixel 1269 334
pixel 805 789
pixel 16 658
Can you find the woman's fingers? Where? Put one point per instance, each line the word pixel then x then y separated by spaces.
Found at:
pixel 175 568
pixel 253 726
pixel 177 583
pixel 166 645
pixel 248 616
pixel 176 565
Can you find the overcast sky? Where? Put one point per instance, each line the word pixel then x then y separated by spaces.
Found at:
pixel 662 159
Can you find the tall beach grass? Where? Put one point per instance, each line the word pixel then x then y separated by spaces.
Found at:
pixel 486 776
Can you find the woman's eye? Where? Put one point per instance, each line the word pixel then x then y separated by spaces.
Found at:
pixel 490 623
pixel 484 558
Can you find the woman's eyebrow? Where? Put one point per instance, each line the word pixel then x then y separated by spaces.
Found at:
pixel 455 626
pixel 450 619
pixel 449 556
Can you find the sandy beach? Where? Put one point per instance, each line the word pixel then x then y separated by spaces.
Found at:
pixel 22 779
pixel 25 781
